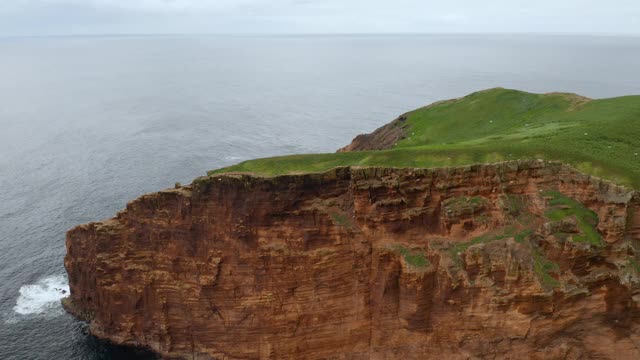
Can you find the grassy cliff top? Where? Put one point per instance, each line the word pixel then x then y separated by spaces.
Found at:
pixel 599 137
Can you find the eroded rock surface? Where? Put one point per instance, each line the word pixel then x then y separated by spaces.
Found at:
pixel 385 137
pixel 526 259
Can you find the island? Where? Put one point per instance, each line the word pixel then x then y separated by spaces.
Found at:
pixel 502 224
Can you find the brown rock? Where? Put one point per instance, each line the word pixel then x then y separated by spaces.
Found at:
pixel 365 263
pixel 382 138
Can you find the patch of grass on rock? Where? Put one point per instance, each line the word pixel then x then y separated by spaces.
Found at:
pixel 414 258
pixel 563 207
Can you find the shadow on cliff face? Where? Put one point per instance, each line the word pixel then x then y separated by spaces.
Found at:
pixel 104 350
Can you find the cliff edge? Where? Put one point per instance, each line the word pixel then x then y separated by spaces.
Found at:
pixel 520 259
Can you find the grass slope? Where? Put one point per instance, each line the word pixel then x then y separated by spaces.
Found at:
pixel 599 137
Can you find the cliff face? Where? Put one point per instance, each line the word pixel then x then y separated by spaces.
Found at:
pixel 523 259
pixel 385 137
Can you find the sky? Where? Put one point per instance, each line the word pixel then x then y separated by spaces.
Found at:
pixel 95 17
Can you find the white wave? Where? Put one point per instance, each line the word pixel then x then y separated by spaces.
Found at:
pixel 234 158
pixel 42 297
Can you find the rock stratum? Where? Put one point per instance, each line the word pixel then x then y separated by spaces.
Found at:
pixel 521 259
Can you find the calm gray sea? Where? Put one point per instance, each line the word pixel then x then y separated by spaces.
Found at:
pixel 88 123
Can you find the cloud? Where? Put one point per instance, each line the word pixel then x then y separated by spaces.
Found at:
pixel 453 17
pixel 132 5
pixel 300 16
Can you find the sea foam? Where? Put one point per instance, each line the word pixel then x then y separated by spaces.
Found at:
pixel 42 297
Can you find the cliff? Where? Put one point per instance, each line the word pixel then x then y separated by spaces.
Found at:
pixel 523 259
pixel 383 138
pixel 596 136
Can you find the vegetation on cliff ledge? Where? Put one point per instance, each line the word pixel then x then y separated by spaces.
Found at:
pixel 564 207
pixel 598 137
pixel 414 257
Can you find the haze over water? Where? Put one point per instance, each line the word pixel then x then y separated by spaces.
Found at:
pixel 89 123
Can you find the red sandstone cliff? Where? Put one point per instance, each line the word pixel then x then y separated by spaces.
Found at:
pixel 487 261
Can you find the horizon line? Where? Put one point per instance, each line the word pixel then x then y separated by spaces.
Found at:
pixel 319 34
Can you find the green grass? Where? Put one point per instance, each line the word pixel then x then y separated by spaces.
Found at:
pixel 460 248
pixel 523 235
pixel 514 204
pixel 414 258
pixel 634 264
pixel 543 268
pixel 563 207
pixel 463 205
pixel 599 137
pixel 340 219
pixel 510 231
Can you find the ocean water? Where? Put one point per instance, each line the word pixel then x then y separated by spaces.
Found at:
pixel 88 123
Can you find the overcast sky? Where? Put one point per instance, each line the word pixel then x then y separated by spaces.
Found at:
pixel 61 17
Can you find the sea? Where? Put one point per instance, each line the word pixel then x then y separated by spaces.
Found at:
pixel 89 123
